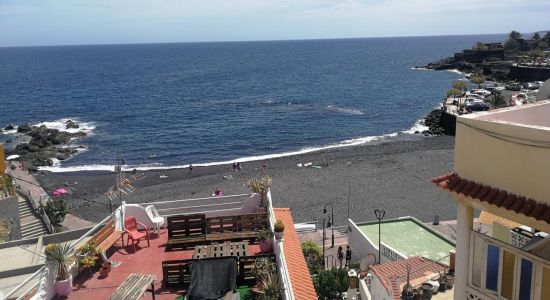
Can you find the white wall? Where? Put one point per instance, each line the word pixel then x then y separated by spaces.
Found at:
pixel 378 291
pixel 359 243
pixel 364 291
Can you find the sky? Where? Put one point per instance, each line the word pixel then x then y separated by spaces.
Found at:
pixel 68 22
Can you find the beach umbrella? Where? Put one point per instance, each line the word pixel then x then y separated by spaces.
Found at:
pixel 60 192
pixel 12 157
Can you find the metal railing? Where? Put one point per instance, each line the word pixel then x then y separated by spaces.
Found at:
pixel 36 206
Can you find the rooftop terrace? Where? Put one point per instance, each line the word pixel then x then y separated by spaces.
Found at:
pixel 409 237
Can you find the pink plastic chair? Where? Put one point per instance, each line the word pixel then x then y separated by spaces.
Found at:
pixel 131 228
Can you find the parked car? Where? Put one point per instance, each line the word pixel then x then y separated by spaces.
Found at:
pixel 513 86
pixel 531 86
pixel 477 106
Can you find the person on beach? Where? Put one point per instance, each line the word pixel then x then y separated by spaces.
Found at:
pixel 348 256
pixel 234 166
pixel 190 168
pixel 217 192
pixel 340 255
pixel 238 166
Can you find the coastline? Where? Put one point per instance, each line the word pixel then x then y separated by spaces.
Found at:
pixel 393 175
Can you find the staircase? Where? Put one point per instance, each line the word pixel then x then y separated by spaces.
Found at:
pixel 31 224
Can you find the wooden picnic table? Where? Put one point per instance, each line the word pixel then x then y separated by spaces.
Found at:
pixel 134 287
pixel 220 250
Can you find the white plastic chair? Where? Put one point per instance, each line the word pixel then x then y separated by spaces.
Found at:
pixel 155 217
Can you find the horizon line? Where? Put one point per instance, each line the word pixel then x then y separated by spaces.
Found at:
pixel 248 41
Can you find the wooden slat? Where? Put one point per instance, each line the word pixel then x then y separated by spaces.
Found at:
pixel 133 287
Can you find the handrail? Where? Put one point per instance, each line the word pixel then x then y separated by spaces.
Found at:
pixel 36 207
pixel 198 199
pixel 23 283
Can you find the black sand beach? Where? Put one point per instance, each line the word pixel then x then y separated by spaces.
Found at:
pixel 390 175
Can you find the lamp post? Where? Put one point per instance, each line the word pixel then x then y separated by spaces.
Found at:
pixel 324 263
pixel 331 225
pixel 379 213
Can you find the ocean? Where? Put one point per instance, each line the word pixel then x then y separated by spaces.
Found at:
pixel 168 105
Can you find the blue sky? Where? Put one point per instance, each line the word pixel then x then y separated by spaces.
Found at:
pixel 68 22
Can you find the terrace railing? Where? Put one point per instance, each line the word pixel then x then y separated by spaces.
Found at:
pixel 280 254
pixel 210 205
pixel 38 281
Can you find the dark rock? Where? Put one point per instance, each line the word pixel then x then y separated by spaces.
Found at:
pixel 24 128
pixel 62 156
pixel 9 127
pixel 70 124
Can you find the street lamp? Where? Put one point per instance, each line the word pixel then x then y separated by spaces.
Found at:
pixel 331 225
pixel 379 213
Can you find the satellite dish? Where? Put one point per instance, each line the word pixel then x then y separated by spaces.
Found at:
pixel 544 91
pixel 367 261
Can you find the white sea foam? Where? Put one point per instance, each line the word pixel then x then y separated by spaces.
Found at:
pixel 13 131
pixel 57 168
pixel 421 68
pixel 350 111
pixel 455 71
pixel 61 125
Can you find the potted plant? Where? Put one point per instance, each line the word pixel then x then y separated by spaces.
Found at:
pixel 279 229
pixel 262 267
pixel 270 287
pixel 264 236
pixel 60 258
pixel 105 269
pixel 260 186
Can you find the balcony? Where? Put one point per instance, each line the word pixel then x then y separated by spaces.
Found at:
pixel 498 270
pixel 507 149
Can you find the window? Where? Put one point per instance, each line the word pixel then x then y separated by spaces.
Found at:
pixel 493 261
pixel 525 279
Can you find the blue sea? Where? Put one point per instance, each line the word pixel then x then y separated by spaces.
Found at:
pixel 163 105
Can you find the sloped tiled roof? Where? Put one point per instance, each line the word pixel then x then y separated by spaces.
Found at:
pixel 302 285
pixel 494 196
pixel 391 272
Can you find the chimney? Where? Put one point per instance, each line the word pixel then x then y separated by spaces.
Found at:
pixel 452 261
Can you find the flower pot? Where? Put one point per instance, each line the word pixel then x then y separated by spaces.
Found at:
pixel 64 287
pixel 450 281
pixel 266 247
pixel 104 271
pixel 279 234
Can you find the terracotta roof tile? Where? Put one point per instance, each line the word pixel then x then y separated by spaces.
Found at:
pixel 302 285
pixel 494 196
pixel 420 267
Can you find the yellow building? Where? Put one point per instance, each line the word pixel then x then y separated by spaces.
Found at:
pixel 502 166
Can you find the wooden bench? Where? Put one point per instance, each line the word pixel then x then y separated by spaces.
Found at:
pixel 189 230
pixel 106 237
pixel 185 230
pixel 134 287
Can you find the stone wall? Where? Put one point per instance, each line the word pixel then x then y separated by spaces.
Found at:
pixel 10 213
pixel 523 73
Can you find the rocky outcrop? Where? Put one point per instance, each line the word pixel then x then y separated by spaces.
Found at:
pixel 24 128
pixel 9 127
pixel 44 144
pixel 71 124
pixel 440 123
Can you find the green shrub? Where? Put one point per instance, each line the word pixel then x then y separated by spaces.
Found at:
pixel 330 284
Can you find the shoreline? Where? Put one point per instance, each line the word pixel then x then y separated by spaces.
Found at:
pixel 417 131
pixel 393 175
